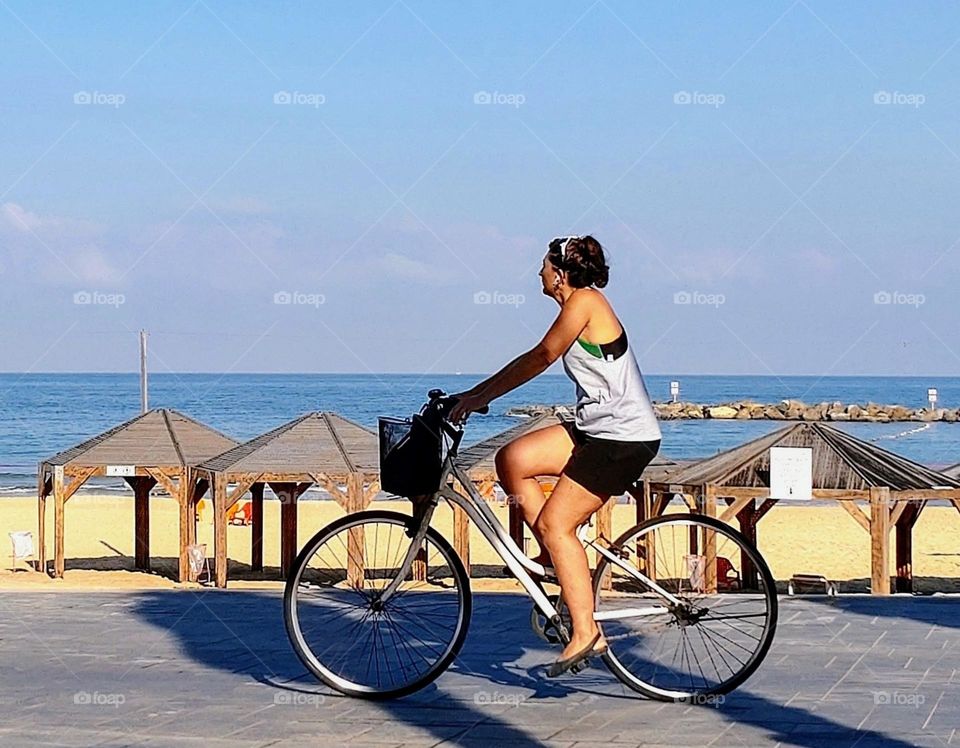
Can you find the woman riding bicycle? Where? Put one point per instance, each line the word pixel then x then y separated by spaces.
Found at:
pixel 615 434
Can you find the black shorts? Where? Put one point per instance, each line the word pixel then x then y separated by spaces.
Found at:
pixel 607 467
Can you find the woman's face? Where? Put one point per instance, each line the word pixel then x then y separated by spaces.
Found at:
pixel 548 276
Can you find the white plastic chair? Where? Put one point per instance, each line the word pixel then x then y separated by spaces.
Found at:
pixel 22 547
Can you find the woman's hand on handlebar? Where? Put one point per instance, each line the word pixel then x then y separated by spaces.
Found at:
pixel 467 403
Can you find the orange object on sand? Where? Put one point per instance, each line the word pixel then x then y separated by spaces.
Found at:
pixel 240 514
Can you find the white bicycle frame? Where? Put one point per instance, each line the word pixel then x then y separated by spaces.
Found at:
pixel 516 560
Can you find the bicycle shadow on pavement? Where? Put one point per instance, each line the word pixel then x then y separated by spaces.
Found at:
pixel 242 632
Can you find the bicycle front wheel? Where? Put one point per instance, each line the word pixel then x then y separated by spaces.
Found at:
pixel 679 623
pixel 353 641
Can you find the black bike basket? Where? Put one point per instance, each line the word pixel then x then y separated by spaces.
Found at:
pixel 411 456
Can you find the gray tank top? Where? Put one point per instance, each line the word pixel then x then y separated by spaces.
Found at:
pixel 612 398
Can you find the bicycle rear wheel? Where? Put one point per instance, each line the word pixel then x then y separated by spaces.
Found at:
pixel 347 636
pixel 698 635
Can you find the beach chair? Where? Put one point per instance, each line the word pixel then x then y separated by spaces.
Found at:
pixel 22 542
pixel 199 563
pixel 811 582
pixel 728 578
pixel 241 514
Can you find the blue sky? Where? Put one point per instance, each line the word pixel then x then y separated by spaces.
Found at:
pixel 776 183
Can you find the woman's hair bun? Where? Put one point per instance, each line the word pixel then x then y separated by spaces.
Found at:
pixel 585 263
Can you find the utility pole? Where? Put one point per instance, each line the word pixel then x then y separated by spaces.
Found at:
pixel 143 371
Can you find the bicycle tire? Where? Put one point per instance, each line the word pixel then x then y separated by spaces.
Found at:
pixel 635 683
pixel 291 614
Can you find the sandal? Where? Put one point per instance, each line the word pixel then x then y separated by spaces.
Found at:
pixel 575 662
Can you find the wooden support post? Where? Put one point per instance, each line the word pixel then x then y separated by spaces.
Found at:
pixel 59 500
pixel 219 495
pixel 141 486
pixel 605 530
pixel 749 578
pixel 288 528
pixel 461 535
pixel 256 528
pixel 904 547
pixel 185 501
pixel 879 540
pixel 356 542
pixel 710 540
pixel 41 521
pixel 515 517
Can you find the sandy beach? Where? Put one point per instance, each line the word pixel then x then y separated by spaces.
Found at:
pixel 819 539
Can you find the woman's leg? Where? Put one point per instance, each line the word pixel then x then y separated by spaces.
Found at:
pixel 569 506
pixel 542 452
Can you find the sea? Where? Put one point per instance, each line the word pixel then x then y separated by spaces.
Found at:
pixel 42 414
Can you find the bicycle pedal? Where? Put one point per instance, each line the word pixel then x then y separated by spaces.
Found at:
pixel 582 665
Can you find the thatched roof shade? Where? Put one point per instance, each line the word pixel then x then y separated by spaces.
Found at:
pixel 840 461
pixel 159 437
pixel 953 471
pixel 478 459
pixel 316 442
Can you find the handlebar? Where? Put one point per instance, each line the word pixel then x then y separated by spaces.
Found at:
pixel 444 403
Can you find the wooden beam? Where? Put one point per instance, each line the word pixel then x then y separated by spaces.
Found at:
pixel 710 539
pixel 896 510
pixel 220 529
pixel 765 507
pixel 80 478
pixel 333 488
pixel 141 520
pixel 41 521
pixel 461 535
pixel 903 535
pixel 857 513
pixel 879 540
pixel 735 508
pixel 927 493
pixel 59 501
pixel 186 519
pixel 243 482
pixel 356 541
pixel 372 490
pixel 166 482
pixel 256 528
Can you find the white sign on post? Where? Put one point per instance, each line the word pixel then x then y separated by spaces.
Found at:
pixel 791 473
pixel 58 473
pixel 122 470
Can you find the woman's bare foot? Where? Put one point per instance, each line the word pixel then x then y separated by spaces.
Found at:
pixel 577 643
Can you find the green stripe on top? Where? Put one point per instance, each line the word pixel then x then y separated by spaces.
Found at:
pixel 592 348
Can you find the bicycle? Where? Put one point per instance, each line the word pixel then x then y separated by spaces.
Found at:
pixel 378 603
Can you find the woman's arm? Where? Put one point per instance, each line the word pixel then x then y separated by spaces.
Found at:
pixel 563 332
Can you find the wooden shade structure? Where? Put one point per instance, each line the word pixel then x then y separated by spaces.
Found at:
pixel 845 469
pixel 953 471
pixel 478 461
pixel 156 447
pixel 318 448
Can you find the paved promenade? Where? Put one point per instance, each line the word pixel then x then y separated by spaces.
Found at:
pixel 211 668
